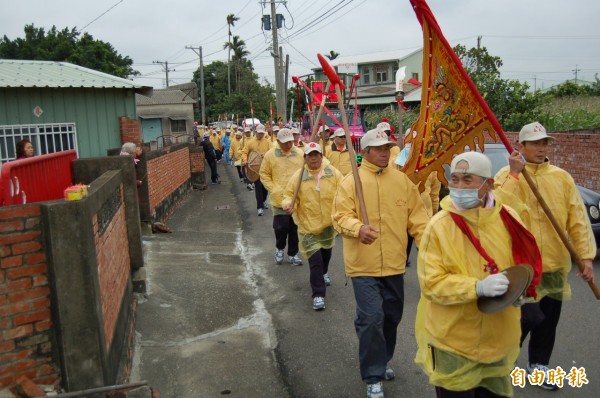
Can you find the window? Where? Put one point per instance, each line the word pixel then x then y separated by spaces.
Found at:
pixel 46 138
pixel 366 75
pixel 178 126
pixel 381 73
pixel 415 76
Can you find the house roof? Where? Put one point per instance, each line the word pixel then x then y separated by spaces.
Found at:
pixel 27 73
pixel 164 97
pixel 381 56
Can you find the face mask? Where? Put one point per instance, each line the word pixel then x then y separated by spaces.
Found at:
pixel 466 198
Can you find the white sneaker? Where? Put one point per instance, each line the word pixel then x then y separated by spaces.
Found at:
pixel 265 205
pixel 375 390
pixel 389 373
pixel 295 259
pixel 260 212
pixel 279 256
pixel 318 303
pixel 327 279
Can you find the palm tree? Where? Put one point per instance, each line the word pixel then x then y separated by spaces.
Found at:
pixel 332 55
pixel 238 46
pixel 231 20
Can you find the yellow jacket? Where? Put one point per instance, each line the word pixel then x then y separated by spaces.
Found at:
pixel 431 194
pixel 312 209
pixel 340 159
pixel 394 151
pixel 261 146
pixel 215 139
pixel 277 169
pixel 448 319
pixel 235 149
pixel 558 189
pixel 393 205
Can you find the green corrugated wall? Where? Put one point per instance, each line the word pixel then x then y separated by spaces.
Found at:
pixel 95 112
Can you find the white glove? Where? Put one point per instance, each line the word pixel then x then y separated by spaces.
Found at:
pixel 520 301
pixel 492 286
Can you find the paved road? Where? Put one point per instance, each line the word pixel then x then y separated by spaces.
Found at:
pixel 315 353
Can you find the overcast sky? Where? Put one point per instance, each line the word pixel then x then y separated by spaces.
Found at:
pixel 541 42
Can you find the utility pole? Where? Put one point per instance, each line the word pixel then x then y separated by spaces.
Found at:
pixel 277 61
pixel 575 71
pixel 165 65
pixel 202 106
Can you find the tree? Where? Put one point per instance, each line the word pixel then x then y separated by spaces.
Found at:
pixel 67 45
pixel 231 20
pixel 238 46
pixel 510 100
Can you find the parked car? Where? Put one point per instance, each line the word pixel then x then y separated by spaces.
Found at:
pixel 498 155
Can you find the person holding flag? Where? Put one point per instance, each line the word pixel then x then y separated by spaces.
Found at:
pixel 540 319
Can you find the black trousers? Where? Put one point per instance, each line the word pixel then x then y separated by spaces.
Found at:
pixel 241 173
pixel 478 392
pixel 212 163
pixel 286 231
pixel 540 321
pixel 319 265
pixel 260 193
pixel 379 308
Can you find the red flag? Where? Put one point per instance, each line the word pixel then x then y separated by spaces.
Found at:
pixel 453 113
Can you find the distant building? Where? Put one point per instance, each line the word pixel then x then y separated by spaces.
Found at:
pixel 59 106
pixel 377 84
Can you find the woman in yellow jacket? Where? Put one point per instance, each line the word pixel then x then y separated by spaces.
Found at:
pixel 460 348
pixel 276 169
pixel 312 214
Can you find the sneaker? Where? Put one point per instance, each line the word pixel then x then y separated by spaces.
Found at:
pixel 375 390
pixel 541 368
pixel 279 256
pixel 327 279
pixel 242 180
pixel 249 187
pixel 389 373
pixel 265 205
pixel 260 212
pixel 318 303
pixel 295 259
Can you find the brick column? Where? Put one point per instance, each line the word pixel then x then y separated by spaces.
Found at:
pixel 130 130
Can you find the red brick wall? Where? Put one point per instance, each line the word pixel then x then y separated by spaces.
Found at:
pixel 26 335
pixel 167 173
pixel 578 152
pixel 197 162
pixel 112 255
pixel 130 130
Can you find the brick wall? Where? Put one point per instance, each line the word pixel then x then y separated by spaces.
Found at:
pixel 577 152
pixel 197 162
pixel 26 337
pixel 112 255
pixel 130 130
pixel 166 174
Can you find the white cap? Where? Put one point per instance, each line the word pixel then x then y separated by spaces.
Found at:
pixel 295 130
pixel 339 133
pixel 227 131
pixel 375 137
pixel 384 126
pixel 260 129
pixel 311 147
pixel 275 128
pixel 247 129
pixel 285 135
pixel 239 133
pixel 206 134
pixel 533 132
pixel 477 164
pixel 323 128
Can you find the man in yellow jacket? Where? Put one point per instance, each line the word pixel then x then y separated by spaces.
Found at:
pixel 540 319
pixel 312 214
pixel 375 253
pixel 261 145
pixel 339 156
pixel 277 168
pixel 461 349
pixel 235 153
pixel 215 139
pixel 324 134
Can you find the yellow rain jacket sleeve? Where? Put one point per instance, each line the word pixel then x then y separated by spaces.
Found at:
pixel 340 160
pixel 393 206
pixel 431 194
pixel 560 192
pixel 394 151
pixel 469 346
pixel 235 151
pixel 261 146
pixel 277 169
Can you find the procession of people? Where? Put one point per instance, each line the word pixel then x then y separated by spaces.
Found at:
pixel 464 248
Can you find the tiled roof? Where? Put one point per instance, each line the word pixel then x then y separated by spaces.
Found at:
pixel 164 97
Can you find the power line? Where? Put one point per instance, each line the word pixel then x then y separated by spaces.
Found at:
pixel 99 16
